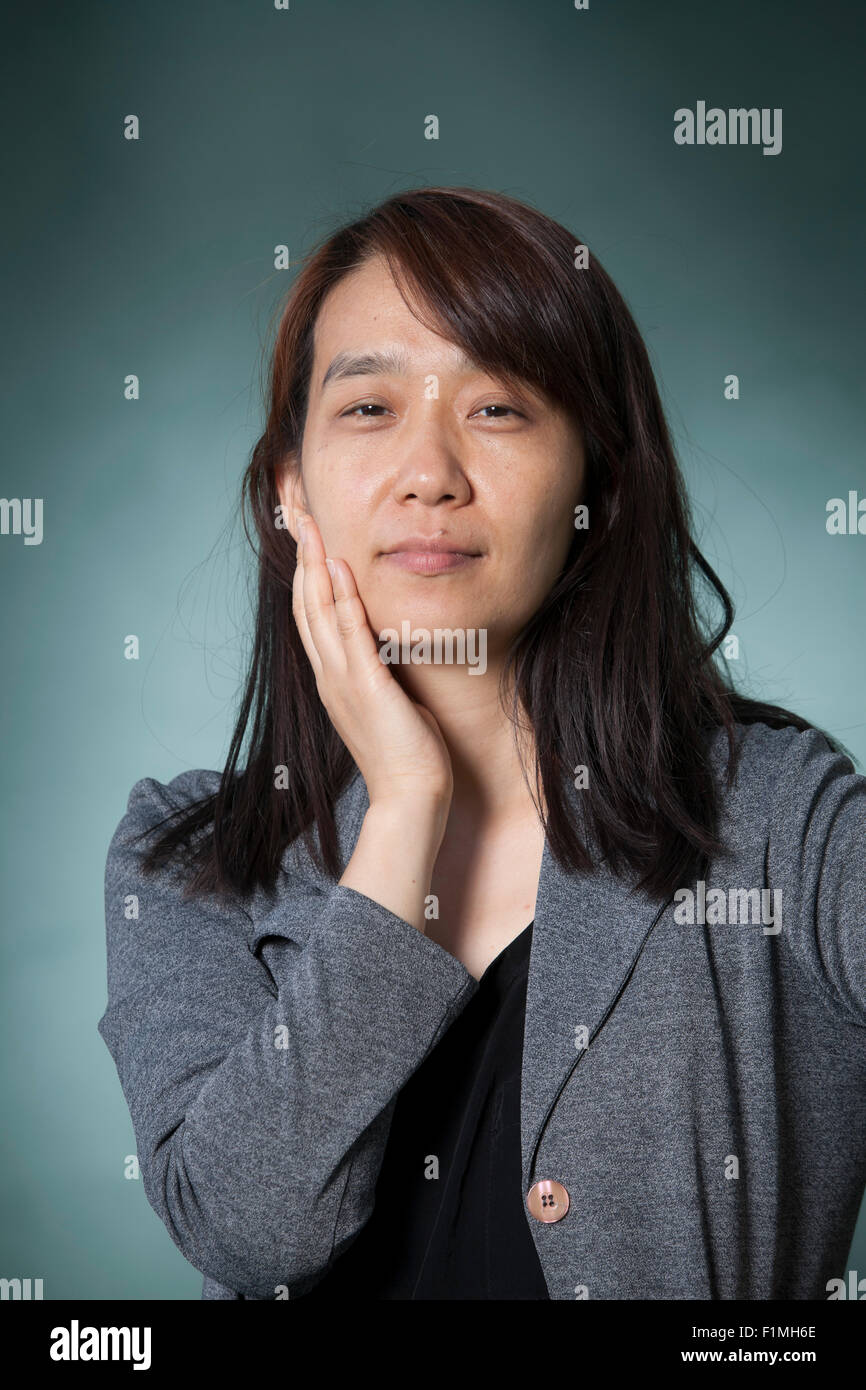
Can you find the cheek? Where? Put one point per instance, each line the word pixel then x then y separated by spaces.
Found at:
pixel 339 502
pixel 549 525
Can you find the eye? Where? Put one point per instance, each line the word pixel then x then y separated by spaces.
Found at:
pixel 509 408
pixel 365 405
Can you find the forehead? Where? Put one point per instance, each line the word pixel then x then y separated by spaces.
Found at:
pixel 364 328
pixel 365 316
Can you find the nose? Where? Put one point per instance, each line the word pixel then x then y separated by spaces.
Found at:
pixel 431 473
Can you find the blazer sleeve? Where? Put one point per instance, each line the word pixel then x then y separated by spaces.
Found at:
pixel 261 1097
pixel 817 857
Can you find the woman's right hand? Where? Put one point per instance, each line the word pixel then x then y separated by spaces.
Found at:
pixel 395 742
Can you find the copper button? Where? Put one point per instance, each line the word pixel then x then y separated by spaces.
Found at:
pixel 547 1200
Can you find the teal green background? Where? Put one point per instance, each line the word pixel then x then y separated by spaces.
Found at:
pixel 155 257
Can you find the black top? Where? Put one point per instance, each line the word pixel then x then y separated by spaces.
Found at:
pixel 464 1234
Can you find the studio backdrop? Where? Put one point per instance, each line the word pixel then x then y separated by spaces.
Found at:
pixel 167 167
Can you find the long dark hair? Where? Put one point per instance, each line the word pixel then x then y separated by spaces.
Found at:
pixel 614 671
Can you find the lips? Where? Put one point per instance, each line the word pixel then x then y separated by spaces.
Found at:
pixel 432 545
pixel 430 555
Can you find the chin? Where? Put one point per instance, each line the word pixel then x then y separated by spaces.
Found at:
pixel 424 611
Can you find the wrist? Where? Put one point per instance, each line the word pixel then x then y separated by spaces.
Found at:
pixel 418 806
pixel 417 823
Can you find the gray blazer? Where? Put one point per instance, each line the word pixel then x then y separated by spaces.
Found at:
pixel 711 1135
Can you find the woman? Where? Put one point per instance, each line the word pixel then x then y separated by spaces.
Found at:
pixel 536 977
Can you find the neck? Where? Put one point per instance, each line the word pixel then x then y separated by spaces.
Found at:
pixel 481 739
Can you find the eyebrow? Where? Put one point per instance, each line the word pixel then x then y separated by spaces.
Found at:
pixel 391 362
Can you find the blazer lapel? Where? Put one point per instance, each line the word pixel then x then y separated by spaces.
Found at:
pixel 587 935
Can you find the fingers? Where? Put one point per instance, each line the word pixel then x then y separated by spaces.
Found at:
pixel 353 627
pixel 318 593
pixel 329 612
pixel 301 617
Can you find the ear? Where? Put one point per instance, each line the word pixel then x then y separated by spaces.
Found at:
pixel 290 489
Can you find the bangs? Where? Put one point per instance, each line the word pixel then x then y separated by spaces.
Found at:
pixel 507 300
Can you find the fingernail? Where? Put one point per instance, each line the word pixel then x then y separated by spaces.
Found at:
pixel 332 569
pixel 301 526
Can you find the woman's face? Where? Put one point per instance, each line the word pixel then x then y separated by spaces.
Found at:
pixel 427 445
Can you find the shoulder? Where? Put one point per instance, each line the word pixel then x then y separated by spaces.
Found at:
pixel 150 801
pixel 781 774
pixel 764 752
pixel 148 805
pixel 155 930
